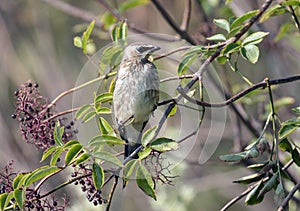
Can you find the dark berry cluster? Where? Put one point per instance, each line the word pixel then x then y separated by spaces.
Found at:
pixel 45 204
pixel 34 115
pixel 6 178
pixel 87 185
pixel 33 200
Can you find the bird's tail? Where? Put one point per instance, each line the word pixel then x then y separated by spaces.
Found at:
pixel 130 148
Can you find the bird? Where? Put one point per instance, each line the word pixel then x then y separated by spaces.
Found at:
pixel 136 94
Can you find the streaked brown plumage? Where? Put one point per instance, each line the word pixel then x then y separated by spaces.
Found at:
pixel 136 93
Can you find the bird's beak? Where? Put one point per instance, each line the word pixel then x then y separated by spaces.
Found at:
pixel 154 48
pixel 148 53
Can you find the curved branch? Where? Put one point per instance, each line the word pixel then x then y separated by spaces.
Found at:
pixel 262 85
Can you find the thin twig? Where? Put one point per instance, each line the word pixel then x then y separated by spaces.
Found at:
pixel 61 114
pixel 75 11
pixel 113 188
pixel 172 52
pixel 175 78
pixel 186 15
pixel 297 23
pixel 183 34
pixel 80 87
pixel 62 185
pixel 238 197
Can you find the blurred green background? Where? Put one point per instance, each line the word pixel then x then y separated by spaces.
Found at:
pixel 36 43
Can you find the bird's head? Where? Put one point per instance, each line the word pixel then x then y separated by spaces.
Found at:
pixel 139 50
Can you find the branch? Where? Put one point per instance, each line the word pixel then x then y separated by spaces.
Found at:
pixel 186 15
pixel 74 11
pixel 288 197
pixel 112 192
pixel 80 87
pixel 183 34
pixel 262 85
pixel 297 23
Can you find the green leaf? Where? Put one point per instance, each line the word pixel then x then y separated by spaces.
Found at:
pixel 107 19
pixel 240 20
pixel 173 111
pixel 286 130
pixel 82 158
pixel 272 182
pixel 119 33
pixel 145 182
pixel 129 169
pixel 234 31
pixel 86 36
pixel 249 179
pixel 77 42
pixel 131 4
pixel 273 11
pixel 82 111
pixel 292 122
pixel 109 157
pixel 40 173
pixel 19 195
pixel 250 53
pixel 3 198
pixel 185 64
pixel 55 156
pixel 254 38
pixel 164 144
pixel 48 152
pixel 105 127
pixel 296 110
pixel 296 157
pixel 217 37
pixel 279 194
pixel 144 153
pixel 148 136
pixel 222 23
pixel 231 48
pixel 285 145
pixel 17 182
pixel 98 176
pixel 222 59
pixel 104 97
pixel 295 3
pixel 282 31
pixel 89 116
pixel 72 153
pixel 257 166
pixel 71 143
pixel 110 54
pixel 58 133
pixel 233 157
pixel 104 110
pixel 105 139
pixel 252 197
pixel 194 50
